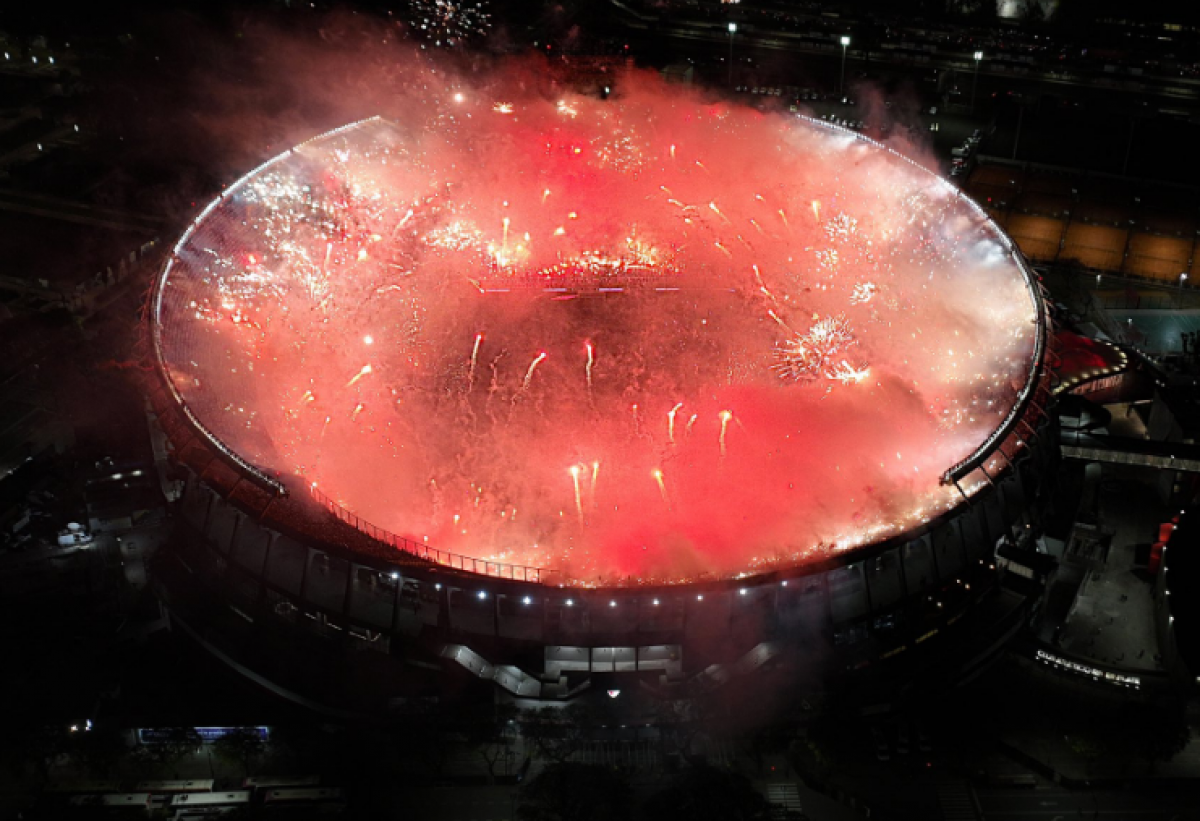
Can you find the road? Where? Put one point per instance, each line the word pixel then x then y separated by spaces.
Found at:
pixel 1004 804
pixel 460 803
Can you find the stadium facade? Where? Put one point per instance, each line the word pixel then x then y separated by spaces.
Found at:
pixel 298 594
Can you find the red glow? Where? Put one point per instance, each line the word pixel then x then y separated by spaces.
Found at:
pixel 615 338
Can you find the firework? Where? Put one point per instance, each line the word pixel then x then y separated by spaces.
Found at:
pixel 366 369
pixel 893 321
pixel 448 24
pixel 575 470
pixel 532 367
pixel 474 359
pixel 587 369
pixel 671 422
pixel 725 417
pixel 662 488
pixel 815 354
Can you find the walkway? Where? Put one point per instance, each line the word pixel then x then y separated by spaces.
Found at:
pixel 1119 450
pixel 1112 619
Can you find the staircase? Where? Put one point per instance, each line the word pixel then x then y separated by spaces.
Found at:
pixel 784 798
pixel 956 801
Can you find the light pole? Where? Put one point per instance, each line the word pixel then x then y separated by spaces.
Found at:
pixel 975 82
pixel 732 31
pixel 1182 280
pixel 842 81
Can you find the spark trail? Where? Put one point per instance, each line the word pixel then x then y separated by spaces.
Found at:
pixel 662 488
pixel 575 470
pixel 532 367
pixel 366 369
pixel 671 422
pixel 474 360
pixel 587 369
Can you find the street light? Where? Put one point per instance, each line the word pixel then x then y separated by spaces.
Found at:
pixel 975 82
pixel 842 81
pixel 732 31
pixel 1182 279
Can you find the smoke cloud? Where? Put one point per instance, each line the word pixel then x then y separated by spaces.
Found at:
pixel 657 336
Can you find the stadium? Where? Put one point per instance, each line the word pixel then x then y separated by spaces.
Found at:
pixel 551 392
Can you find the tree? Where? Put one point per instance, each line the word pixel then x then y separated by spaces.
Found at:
pixel 575 792
pixel 817 755
pixel 98 750
pixel 1087 747
pixel 492 735
pixel 679 723
pixel 242 746
pixel 176 744
pixel 1148 734
pixel 302 747
pixel 435 724
pixel 1165 737
pixel 35 747
pixel 708 794
pixel 558 732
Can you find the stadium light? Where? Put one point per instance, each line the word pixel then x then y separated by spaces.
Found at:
pixel 732 31
pixel 975 82
pixel 842 81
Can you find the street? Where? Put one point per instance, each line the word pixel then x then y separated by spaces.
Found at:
pixel 1000 804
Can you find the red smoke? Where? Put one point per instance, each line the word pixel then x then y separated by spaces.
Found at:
pixel 842 326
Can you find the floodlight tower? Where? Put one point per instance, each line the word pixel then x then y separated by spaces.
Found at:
pixel 975 82
pixel 732 31
pixel 842 81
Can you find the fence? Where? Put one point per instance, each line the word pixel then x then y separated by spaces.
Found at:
pixel 484 567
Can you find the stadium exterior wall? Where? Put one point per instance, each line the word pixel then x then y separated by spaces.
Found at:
pixel 854 610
